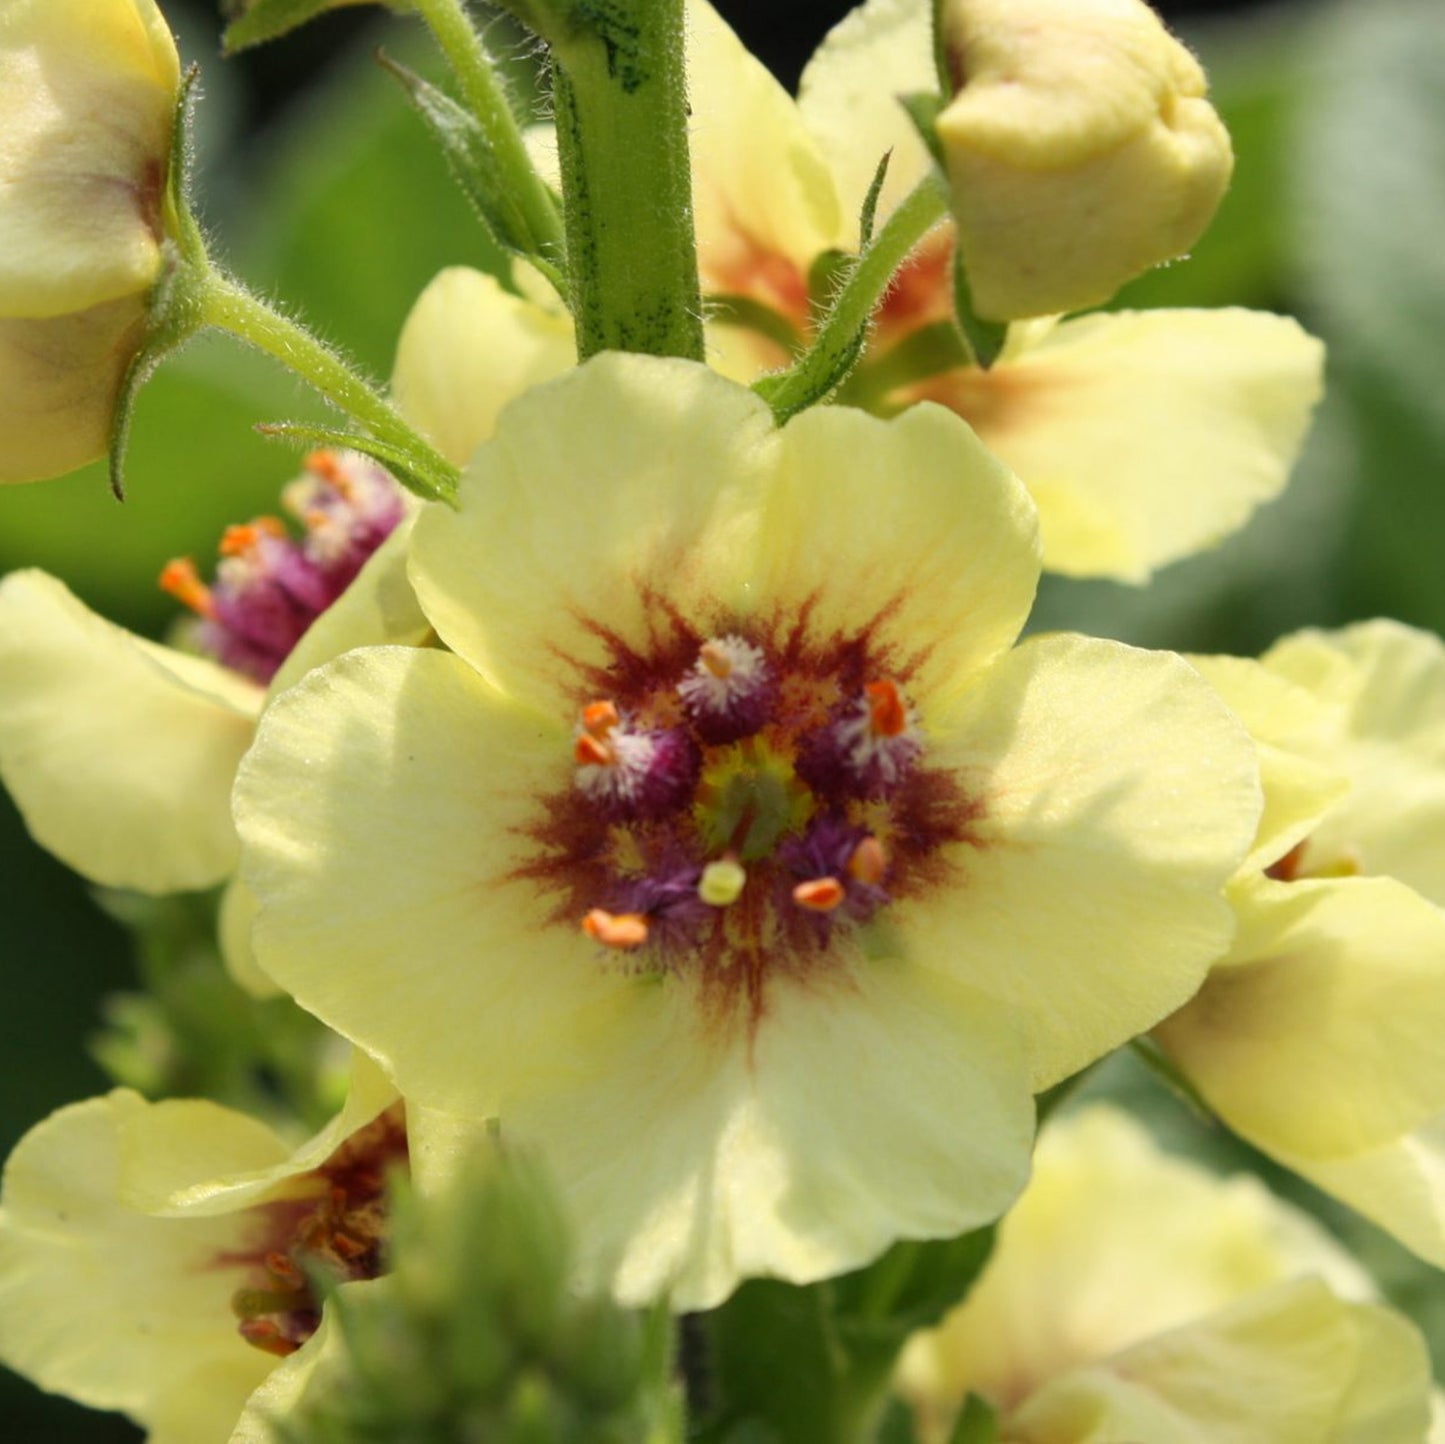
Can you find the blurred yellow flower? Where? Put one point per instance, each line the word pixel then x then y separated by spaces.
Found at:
pixel 153 1255
pixel 1141 437
pixel 88 92
pixel 1135 1297
pixel 1318 1037
pixel 733 853
pixel 1079 146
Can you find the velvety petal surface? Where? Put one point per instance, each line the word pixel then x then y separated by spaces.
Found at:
pixel 59 378
pixel 887 1104
pixel 1114 797
pixel 467 348
pixel 1322 1037
pixel 569 527
pixel 1145 436
pixel 382 809
pixel 107 1305
pixel 850 99
pixel 118 752
pixel 89 92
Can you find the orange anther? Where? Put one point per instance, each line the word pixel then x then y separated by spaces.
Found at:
pixel 267 1336
pixel 886 713
pixel 238 540
pixel 284 1271
pixel 599 718
pixel 180 579
pixel 326 465
pixel 869 862
pixel 714 657
pixel 591 751
pixel 616 930
pixel 821 895
pixel 347 1247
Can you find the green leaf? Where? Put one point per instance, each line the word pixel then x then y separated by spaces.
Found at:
pixel 977 1423
pixel 472 158
pixel 261 20
pixel 870 202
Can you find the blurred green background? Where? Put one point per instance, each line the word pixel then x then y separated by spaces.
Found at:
pixel 322 191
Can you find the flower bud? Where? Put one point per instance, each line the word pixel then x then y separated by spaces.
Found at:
pixel 88 91
pixel 1079 147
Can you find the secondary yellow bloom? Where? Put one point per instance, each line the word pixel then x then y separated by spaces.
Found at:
pixel 1134 1296
pixel 88 91
pixel 1318 1036
pixel 152 1255
pixel 731 854
pixel 1079 146
pixel 1141 437
pixel 120 753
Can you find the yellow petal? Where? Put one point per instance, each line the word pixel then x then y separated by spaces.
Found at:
pixel 1090 897
pixel 762 192
pixel 233 929
pixel 908 521
pixel 563 527
pixel 1322 1036
pixel 1080 148
pixel 1288 724
pixel 1293 1365
pixel 107 1305
pixel 384 941
pixel 1145 436
pixel 850 98
pixel 89 91
pixel 895 1106
pixel 378 607
pixel 467 348
pixel 1389 679
pixel 119 753
pixel 59 378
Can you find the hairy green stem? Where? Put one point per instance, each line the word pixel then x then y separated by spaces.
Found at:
pixel 487 100
pixel 844 330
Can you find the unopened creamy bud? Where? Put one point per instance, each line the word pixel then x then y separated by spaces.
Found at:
pixel 88 91
pixel 1079 146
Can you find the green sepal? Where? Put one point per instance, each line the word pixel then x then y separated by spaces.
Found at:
pixel 172 315
pixel 472 160
pixel 257 21
pixel 977 1423
pixel 985 338
pixel 399 462
pixel 922 108
pixel 869 213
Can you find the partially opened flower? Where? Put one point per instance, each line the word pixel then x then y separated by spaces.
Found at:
pixel 119 752
pixel 88 93
pixel 1079 146
pixel 1317 1038
pixel 154 1256
pixel 731 854
pixel 1133 1296
pixel 1142 437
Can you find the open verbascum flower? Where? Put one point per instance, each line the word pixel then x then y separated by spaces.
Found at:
pixel 1317 1038
pixel 88 92
pixel 1143 437
pixel 153 1256
pixel 103 733
pixel 1134 1296
pixel 731 855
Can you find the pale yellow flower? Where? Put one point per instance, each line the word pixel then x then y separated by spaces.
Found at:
pixel 152 1255
pixel 733 854
pixel 1133 1298
pixel 88 92
pixel 1318 1037
pixel 1079 146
